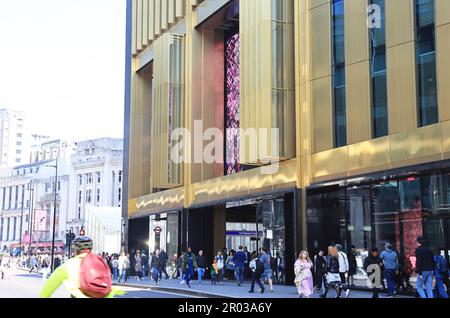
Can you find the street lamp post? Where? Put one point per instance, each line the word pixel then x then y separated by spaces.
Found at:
pixel 54 215
pixel 21 221
pixel 31 189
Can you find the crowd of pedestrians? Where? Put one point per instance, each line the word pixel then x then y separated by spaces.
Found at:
pixel 334 270
pixel 385 271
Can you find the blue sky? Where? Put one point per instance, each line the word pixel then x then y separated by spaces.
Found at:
pixel 62 62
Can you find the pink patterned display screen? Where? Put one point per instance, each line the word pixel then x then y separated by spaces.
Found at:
pixel 232 107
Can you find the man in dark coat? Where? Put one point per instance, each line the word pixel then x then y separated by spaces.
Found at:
pixel 373 265
pixel 352 265
pixel 424 268
pixel 163 258
pixel 320 269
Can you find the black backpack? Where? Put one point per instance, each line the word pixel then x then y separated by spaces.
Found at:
pixel 259 267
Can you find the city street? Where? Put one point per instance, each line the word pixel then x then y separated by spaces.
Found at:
pixel 21 284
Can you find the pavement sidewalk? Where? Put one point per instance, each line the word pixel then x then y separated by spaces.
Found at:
pixel 230 289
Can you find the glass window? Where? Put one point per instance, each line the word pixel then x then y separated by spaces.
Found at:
pixel 326 214
pixel 88 196
pixel 89 178
pixel 425 12
pixel 176 99
pixel 338 31
pixel 340 111
pixel 380 126
pixel 172 234
pixel 426 63
pixel 16 197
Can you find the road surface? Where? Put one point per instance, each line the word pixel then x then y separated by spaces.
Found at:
pixel 21 284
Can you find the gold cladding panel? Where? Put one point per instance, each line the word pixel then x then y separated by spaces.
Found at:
pixel 359 114
pixel 162 201
pixel 445 127
pixel 442 12
pixel 443 69
pixel 368 154
pixel 401 86
pixel 321 41
pixel 322 112
pixel 286 176
pixel 329 163
pixel 316 3
pixel 399 22
pixel 416 143
pixel 356 32
pixel 258 182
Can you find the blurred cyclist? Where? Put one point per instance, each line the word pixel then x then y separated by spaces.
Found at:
pixel 84 276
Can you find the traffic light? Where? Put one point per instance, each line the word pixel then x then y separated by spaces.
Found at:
pixel 70 236
pixel 82 232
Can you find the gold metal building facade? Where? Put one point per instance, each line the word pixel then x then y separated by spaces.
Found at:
pixel 178 54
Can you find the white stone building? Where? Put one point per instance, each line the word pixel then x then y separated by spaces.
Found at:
pixel 96 178
pixel 89 175
pixel 14 139
pixel 31 186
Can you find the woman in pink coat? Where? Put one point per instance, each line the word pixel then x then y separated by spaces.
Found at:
pixel 303 275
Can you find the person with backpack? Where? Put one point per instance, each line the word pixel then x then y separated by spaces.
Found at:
pixel 257 269
pixel 85 275
pixel 440 274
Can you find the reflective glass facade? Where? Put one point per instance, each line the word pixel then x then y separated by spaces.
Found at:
pixel 369 215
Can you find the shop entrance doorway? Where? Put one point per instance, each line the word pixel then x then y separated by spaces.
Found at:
pixel 257 225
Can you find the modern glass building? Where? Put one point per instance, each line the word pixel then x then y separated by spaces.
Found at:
pixel 334 117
